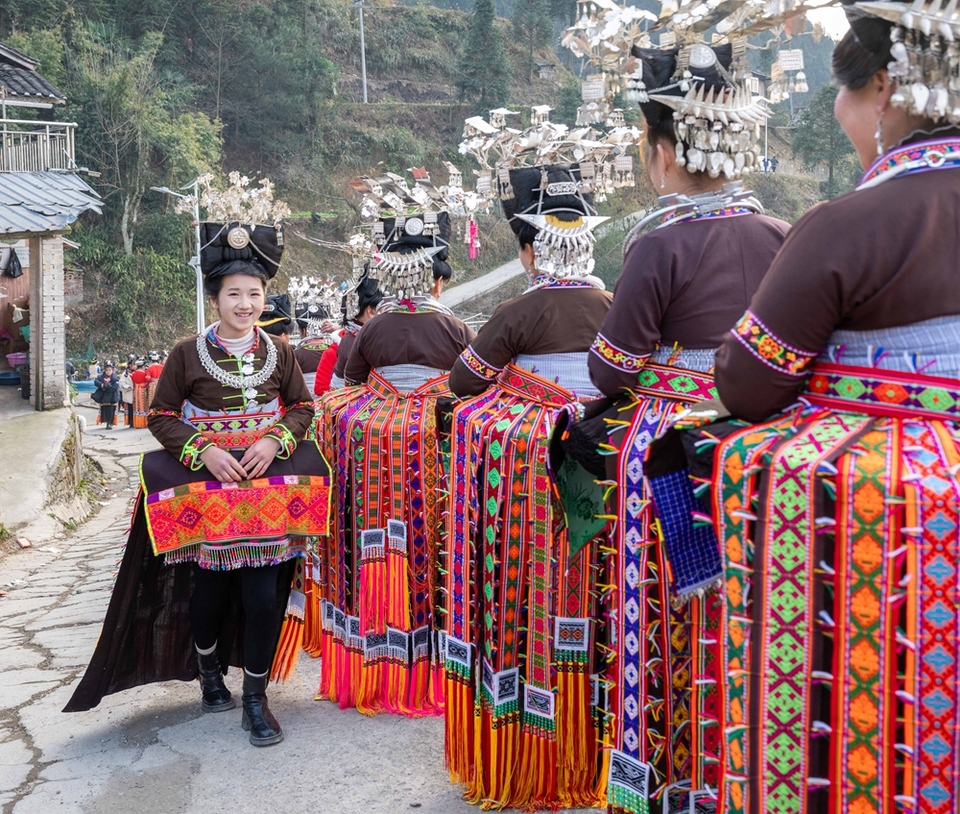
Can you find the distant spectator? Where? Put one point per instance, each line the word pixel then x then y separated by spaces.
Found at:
pixel 126 390
pixel 107 394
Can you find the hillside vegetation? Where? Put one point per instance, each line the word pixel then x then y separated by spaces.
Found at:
pixel 164 91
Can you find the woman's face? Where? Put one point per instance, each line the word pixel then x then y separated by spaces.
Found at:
pixel 240 303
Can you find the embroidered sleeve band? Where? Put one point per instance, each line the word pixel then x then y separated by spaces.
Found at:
pixel 190 454
pixel 615 357
pixel 287 442
pixel 478 367
pixel 172 413
pixel 769 348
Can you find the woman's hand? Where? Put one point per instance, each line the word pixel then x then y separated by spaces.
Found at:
pixel 258 457
pixel 222 465
pixel 328 326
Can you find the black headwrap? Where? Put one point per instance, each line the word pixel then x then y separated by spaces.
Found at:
pixel 660 70
pixel 227 248
pixel 399 239
pixel 531 195
pixel 276 318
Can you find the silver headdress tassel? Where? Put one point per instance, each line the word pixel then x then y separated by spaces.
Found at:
pixel 563 249
pixel 926 55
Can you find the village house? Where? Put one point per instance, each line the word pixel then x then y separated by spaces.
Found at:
pixel 41 196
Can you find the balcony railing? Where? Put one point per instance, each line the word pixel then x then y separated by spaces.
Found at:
pixel 30 146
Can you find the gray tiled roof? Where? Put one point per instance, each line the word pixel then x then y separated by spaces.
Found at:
pixel 32 202
pixel 23 84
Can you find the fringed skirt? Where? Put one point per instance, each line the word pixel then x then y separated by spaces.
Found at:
pixel 146 635
pixel 839 687
pixel 660 567
pixel 523 668
pixel 376 579
pixel 141 405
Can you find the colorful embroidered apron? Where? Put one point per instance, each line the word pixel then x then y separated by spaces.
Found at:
pixel 839 631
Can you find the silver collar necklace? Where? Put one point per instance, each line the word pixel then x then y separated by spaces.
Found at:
pixel 248 382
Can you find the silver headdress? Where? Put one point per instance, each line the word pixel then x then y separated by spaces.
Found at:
pixel 410 226
pixel 925 55
pixel 604 156
pixel 314 301
pixel 549 176
pixel 717 109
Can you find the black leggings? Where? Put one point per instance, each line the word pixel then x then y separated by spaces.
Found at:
pixel 258 590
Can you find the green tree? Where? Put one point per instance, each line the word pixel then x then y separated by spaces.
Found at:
pixel 533 27
pixel 819 140
pixel 482 75
pixel 137 130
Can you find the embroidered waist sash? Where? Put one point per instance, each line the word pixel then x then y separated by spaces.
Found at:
pixel 187 508
pixel 384 389
pixel 882 392
pixel 233 429
pixel 675 383
pixel 526 385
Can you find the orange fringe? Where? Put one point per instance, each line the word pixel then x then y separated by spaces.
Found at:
pixel 288 649
pixel 576 740
pixel 459 736
pixel 312 623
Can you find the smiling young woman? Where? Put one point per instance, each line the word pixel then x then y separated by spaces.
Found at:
pixel 230 411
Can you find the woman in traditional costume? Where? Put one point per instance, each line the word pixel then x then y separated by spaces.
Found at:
pixel 226 506
pixel 839 688
pixel 682 288
pixel 359 306
pixel 379 569
pixel 141 404
pixel 522 612
pixel 313 311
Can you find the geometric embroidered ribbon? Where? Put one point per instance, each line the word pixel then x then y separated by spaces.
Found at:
pixel 840 671
pixel 675 383
pixel 882 392
pixel 185 508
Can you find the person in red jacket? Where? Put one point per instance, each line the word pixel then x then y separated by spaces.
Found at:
pixel 328 361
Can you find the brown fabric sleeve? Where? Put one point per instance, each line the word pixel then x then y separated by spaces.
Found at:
pixel 164 420
pixel 357 368
pixel 343 353
pixel 631 329
pixel 814 279
pixel 294 394
pixel 486 354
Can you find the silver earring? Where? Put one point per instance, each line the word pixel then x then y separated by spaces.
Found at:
pixel 879 135
pixel 663 180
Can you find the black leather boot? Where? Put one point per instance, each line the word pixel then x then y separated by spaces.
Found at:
pixel 216 696
pixel 257 718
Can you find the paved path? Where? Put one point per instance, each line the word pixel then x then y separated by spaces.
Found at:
pixel 481 285
pixel 151 750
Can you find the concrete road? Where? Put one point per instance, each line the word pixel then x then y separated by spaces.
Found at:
pixel 152 750
pixel 458 294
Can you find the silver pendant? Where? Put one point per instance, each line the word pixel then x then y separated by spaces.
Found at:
pixel 247 370
pixel 250 392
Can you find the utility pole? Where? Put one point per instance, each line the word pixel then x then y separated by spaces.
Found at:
pixel 358 4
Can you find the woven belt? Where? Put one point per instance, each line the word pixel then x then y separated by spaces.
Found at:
pixel 519 382
pixel 675 383
pixel 882 392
